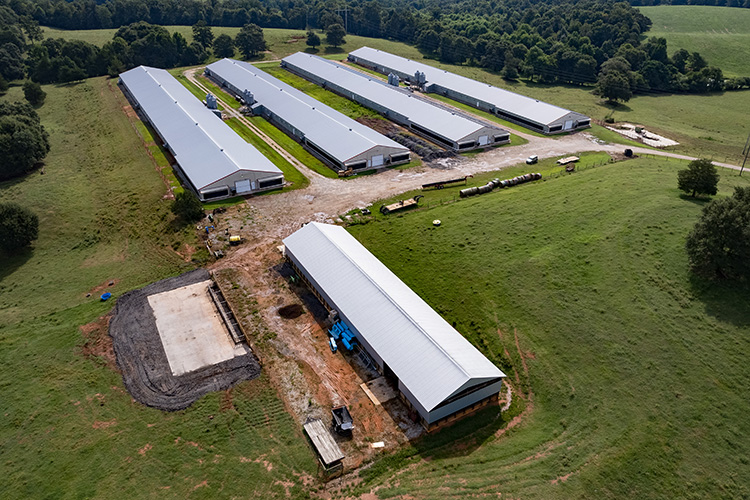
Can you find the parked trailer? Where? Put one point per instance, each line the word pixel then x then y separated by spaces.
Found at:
pixel 442 184
pixel 401 205
pixel 342 420
pixel 569 159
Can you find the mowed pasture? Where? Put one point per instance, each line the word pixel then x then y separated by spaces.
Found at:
pixel 713 125
pixel 720 34
pixel 68 427
pixel 638 373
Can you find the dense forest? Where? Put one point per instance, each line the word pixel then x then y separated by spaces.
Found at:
pixel 581 42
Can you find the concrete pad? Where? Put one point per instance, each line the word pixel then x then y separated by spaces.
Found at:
pixel 379 391
pixel 191 329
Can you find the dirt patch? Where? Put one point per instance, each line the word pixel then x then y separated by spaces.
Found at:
pixel 103 286
pixel 103 425
pixel 143 362
pixel 291 311
pixel 97 344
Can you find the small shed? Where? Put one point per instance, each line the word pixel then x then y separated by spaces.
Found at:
pixel 329 453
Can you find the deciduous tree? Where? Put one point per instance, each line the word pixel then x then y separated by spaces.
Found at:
pixel 203 34
pixel 335 34
pixel 187 207
pixel 23 140
pixel 224 46
pixel 33 93
pixel 719 244
pixel 250 41
pixel 313 40
pixel 19 226
pixel 700 177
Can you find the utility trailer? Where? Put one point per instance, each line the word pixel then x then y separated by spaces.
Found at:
pixel 342 420
pixel 401 205
pixel 442 184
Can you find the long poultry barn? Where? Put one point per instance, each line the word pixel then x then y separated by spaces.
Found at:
pixel 338 140
pixel 531 113
pixel 452 130
pixel 439 373
pixel 209 156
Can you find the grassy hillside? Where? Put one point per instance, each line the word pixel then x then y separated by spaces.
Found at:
pixel 69 429
pixel 720 34
pixel 639 373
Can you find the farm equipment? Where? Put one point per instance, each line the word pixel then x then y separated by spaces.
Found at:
pixel 442 184
pixel 401 205
pixel 339 331
pixel 235 240
pixel 105 296
pixel 332 344
pixel 567 160
pixel 342 420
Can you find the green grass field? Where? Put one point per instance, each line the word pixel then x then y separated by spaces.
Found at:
pixel 720 34
pixel 69 429
pixel 639 373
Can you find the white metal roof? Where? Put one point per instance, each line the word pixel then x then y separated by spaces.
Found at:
pixel 450 125
pixel 522 106
pixel 431 358
pixel 334 132
pixel 204 146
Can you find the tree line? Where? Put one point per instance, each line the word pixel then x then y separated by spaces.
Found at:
pixel 557 41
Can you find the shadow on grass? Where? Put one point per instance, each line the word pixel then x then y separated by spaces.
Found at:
pixel 312 50
pixel 614 106
pixel 334 50
pixel 724 300
pixel 697 200
pixel 12 262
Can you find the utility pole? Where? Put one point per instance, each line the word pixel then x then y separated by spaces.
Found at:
pixel 745 152
pixel 346 17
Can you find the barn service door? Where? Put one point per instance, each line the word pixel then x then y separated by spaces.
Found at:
pixel 242 187
pixel 377 160
pixel 484 140
pixel 568 125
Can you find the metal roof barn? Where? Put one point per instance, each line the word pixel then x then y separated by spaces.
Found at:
pixel 336 137
pixel 531 113
pixel 438 370
pixel 439 124
pixel 215 161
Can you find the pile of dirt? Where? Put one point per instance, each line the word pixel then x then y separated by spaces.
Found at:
pixel 427 151
pixel 291 311
pixel 378 124
pixel 143 362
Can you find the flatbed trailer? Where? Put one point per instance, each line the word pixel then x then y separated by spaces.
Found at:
pixel 442 184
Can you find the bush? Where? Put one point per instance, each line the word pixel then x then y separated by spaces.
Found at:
pixel 700 177
pixel 33 93
pixel 23 140
pixel 187 207
pixel 19 226
pixel 719 244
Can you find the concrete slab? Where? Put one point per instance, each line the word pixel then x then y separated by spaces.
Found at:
pixel 191 329
pixel 379 391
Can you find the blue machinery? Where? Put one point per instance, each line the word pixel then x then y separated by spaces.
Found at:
pixel 339 330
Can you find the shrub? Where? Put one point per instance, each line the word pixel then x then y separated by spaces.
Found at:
pixel 19 226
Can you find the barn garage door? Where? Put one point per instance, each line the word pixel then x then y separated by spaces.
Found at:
pixel 484 140
pixel 568 125
pixel 377 160
pixel 242 187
